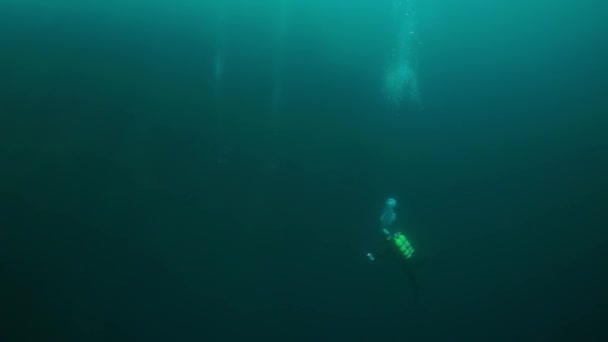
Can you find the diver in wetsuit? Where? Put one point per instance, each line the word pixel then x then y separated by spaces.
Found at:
pixel 395 245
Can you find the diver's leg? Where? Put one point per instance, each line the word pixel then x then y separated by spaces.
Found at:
pixel 413 282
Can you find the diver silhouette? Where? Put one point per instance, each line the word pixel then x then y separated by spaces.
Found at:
pixel 396 247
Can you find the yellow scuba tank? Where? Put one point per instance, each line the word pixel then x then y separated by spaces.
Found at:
pixel 404 245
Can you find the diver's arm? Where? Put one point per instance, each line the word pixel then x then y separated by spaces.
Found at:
pixel 380 250
pixel 386 220
pixel 384 247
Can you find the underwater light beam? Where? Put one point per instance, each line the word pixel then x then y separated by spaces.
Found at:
pixel 401 76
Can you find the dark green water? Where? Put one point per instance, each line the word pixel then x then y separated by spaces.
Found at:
pixel 141 203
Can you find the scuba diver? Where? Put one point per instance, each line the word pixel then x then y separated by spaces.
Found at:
pixel 395 245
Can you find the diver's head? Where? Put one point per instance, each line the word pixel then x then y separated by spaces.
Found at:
pixel 391 203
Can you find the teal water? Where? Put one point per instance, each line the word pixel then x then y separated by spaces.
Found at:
pixel 215 170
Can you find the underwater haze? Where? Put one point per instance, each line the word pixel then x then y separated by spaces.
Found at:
pixel 216 170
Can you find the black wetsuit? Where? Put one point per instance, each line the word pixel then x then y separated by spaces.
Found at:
pixel 387 251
